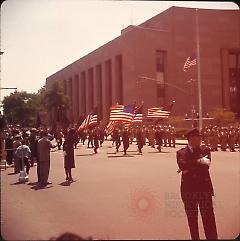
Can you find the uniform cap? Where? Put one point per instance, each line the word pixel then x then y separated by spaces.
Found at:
pixel 192 132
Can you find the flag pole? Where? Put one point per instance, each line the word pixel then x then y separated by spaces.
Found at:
pixel 199 73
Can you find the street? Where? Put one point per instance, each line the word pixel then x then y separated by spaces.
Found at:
pixel 116 197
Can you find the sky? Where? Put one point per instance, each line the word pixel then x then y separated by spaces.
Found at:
pixel 40 37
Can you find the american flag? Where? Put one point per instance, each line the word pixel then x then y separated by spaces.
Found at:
pixel 138 115
pixel 159 112
pixel 85 123
pixel 190 62
pixel 93 120
pixel 115 110
pixel 120 113
pixel 90 120
pixel 109 128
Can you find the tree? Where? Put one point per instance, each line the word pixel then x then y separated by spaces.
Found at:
pixel 21 108
pixel 56 102
pixel 222 117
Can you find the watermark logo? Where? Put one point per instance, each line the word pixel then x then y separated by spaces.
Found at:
pixel 143 203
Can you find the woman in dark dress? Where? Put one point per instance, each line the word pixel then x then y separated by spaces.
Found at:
pixel 68 148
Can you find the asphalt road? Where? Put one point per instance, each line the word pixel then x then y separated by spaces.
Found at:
pixel 116 197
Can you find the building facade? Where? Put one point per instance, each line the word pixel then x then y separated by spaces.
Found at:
pixel 145 63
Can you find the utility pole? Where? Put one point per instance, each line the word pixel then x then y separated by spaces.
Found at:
pixel 199 73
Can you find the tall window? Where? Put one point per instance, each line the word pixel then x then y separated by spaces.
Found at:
pixel 76 96
pixel 119 79
pixel 90 90
pixel 108 77
pixel 160 62
pixel 234 80
pixel 83 93
pixel 99 90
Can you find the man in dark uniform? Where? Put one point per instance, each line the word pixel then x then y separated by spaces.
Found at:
pixel 117 138
pixel 90 138
pixel 125 140
pixel 96 138
pixel 196 185
pixel 159 137
pixel 139 138
pixel 101 136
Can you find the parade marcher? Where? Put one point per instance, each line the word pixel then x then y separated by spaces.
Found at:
pixel 117 137
pixel 83 136
pixel 165 135
pixel 68 148
pixel 238 138
pixel 90 138
pixel 101 136
pixel 43 147
pixel 173 136
pixel 16 160
pixel 215 138
pixel 196 185
pixel 158 137
pixel 207 136
pixel 168 133
pixel 33 140
pixel 223 139
pixel 58 136
pixel 23 153
pixel 114 135
pixel 76 138
pixel 211 138
pixel 9 148
pixel 151 137
pixel 232 139
pixel 131 134
pixel 125 140
pixel 144 133
pixel 96 137
pixel 139 138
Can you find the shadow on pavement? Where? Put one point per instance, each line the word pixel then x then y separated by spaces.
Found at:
pixel 120 156
pixel 86 154
pixel 39 187
pixel 33 183
pixel 158 152
pixel 65 184
pixel 12 173
pixel 16 183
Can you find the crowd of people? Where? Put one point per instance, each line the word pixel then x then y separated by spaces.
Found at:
pixel 225 137
pixel 26 146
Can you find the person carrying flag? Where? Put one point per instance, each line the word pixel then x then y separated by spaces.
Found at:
pixel 125 140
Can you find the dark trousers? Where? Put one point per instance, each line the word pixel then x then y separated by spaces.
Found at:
pixel 96 145
pixel 118 144
pixel 38 170
pixel 90 141
pixel 59 143
pixel 9 157
pixel 125 147
pixel 205 204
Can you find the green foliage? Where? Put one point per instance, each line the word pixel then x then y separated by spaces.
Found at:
pixel 21 108
pixel 55 98
pixel 222 117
